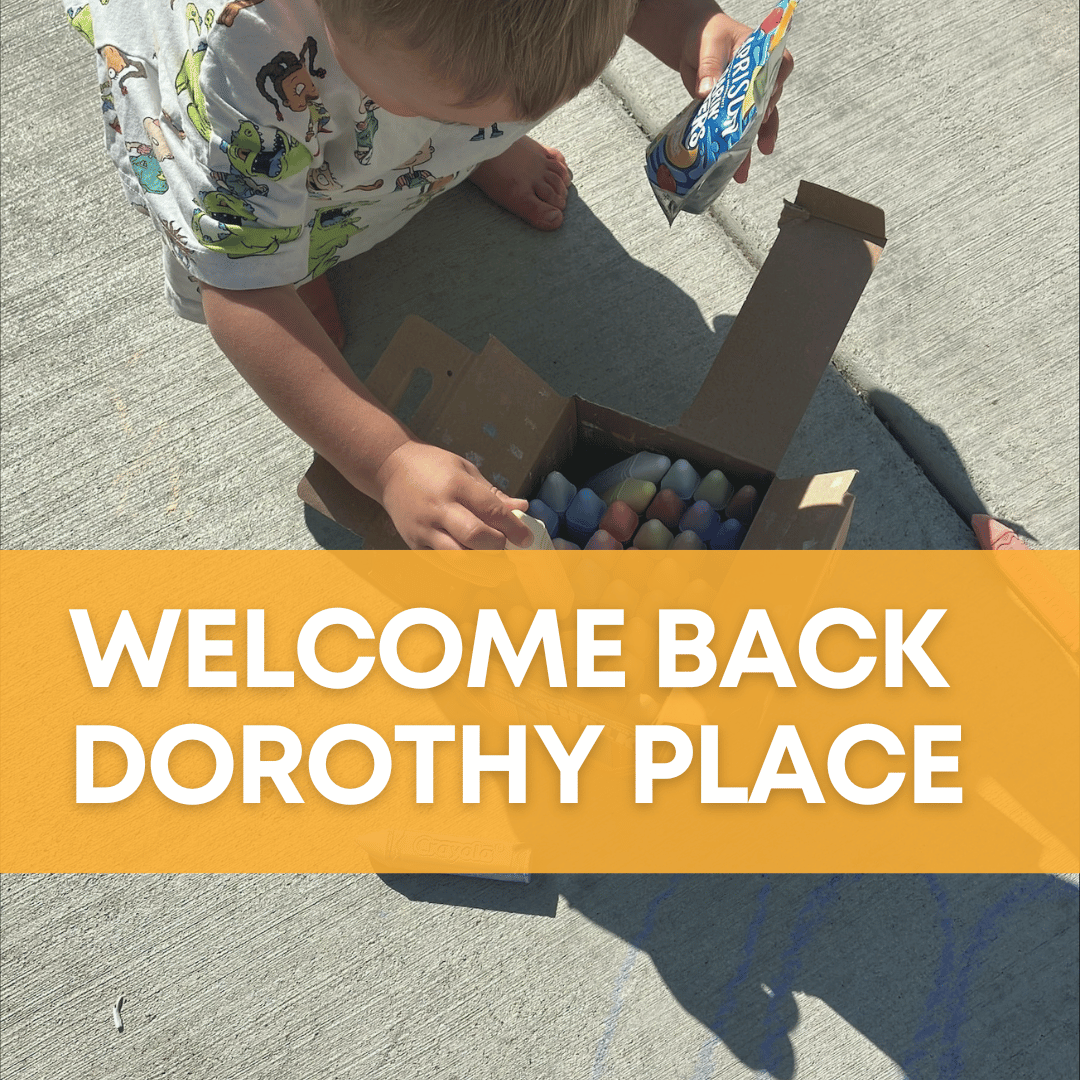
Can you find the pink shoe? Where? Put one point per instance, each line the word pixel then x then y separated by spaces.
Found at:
pixel 993 536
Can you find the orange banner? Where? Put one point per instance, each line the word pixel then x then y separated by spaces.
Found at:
pixel 515 713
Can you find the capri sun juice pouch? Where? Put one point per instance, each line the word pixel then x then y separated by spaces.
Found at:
pixel 692 159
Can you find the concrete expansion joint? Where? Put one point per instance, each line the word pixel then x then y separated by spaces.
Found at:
pixel 735 234
pixel 620 94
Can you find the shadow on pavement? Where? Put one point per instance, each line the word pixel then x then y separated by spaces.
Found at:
pixel 910 961
pixel 539 897
pixel 932 450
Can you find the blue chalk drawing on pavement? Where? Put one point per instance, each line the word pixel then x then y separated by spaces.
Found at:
pixel 807 924
pixel 728 1000
pixel 945 1010
pixel 607 1036
pixel 938 998
pixel 938 1049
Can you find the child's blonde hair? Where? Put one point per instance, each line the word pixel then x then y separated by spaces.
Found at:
pixel 538 53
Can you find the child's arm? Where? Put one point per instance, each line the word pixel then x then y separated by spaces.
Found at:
pixel 698 40
pixel 435 498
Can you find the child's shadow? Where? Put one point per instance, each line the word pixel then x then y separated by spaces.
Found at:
pixel 913 962
pixel 916 963
pixel 573 305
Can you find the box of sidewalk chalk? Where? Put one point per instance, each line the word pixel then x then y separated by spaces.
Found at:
pixel 707 481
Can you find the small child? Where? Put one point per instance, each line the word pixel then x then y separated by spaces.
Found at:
pixel 273 139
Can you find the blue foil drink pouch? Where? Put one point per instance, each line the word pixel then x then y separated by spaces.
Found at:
pixel 690 162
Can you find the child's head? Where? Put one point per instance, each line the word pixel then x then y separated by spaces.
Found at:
pixel 475 61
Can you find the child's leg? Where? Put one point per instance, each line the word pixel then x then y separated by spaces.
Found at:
pixel 182 294
pixel 320 301
pixel 529 180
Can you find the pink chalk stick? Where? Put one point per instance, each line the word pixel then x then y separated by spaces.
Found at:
pixel 602 540
pixel 666 507
pixel 620 521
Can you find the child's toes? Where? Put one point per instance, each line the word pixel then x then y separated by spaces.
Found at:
pixel 552 193
pixel 543 214
pixel 529 180
pixel 556 157
pixel 550 218
pixel 559 170
pixel 557 181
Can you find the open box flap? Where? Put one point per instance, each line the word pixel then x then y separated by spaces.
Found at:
pixel 416 348
pixel 490 408
pixel 773 357
pixel 420 357
pixel 806 512
pixel 500 416
pixel 828 205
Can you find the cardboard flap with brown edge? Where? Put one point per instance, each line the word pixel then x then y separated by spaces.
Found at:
pixel 490 408
pixel 787 330
pixel 809 512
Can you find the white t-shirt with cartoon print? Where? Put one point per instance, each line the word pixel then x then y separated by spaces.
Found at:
pixel 258 160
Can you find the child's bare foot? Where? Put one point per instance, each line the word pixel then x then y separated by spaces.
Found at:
pixel 321 303
pixel 527 179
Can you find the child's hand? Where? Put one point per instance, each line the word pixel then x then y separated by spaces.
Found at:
pixel 708 48
pixel 439 500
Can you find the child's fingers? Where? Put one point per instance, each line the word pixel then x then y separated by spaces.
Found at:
pixel 498 514
pixel 514 531
pixel 787 65
pixel 459 529
pixel 467 530
pixel 743 171
pixel 766 139
pixel 767 135
pixel 771 107
pixel 440 541
pixel 716 50
pixel 486 502
pixel 441 501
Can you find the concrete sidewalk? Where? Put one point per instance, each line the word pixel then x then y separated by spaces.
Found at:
pixel 954 390
pixel 612 977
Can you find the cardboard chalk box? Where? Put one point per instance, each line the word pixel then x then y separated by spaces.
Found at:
pixel 491 408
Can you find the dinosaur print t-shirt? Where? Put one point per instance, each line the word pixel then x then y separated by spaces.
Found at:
pixel 258 161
